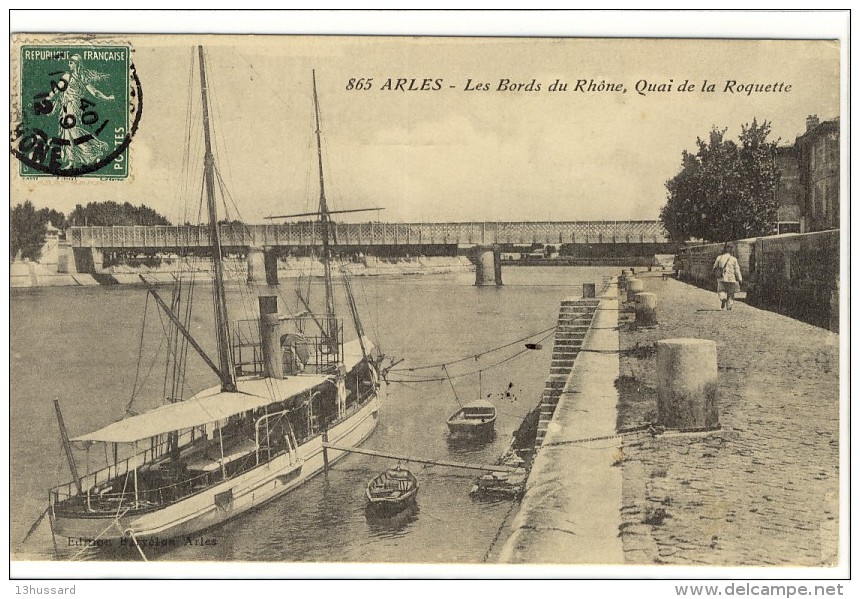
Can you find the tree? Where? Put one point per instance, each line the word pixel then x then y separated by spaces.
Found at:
pixel 26 231
pixel 109 213
pixel 56 218
pixel 726 190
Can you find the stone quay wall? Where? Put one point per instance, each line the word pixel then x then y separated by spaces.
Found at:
pixel 570 509
pixel 793 274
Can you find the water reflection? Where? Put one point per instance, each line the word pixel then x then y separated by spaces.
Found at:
pixel 469 443
pixel 389 525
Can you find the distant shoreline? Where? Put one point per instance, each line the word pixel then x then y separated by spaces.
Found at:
pixel 33 275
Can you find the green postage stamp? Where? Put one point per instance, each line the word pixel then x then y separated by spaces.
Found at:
pixel 78 111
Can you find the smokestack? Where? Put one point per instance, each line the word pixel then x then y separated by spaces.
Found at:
pixel 270 337
pixel 811 122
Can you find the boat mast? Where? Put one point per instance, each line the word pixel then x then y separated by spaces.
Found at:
pixel 228 372
pixel 67 446
pixel 331 332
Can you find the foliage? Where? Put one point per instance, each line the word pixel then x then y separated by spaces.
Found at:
pixel 28 226
pixel 726 190
pixel 27 229
pixel 107 214
pixel 58 219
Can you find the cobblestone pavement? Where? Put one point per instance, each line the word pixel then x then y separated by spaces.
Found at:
pixel 764 489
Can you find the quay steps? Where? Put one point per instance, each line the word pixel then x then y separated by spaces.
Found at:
pixel 574 321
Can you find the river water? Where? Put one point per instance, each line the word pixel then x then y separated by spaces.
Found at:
pixel 82 345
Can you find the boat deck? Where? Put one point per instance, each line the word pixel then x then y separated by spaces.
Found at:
pixel 167 479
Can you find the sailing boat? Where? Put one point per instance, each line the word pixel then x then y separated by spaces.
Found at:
pixel 195 463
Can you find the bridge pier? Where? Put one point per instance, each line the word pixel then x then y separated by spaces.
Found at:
pixel 87 260
pixel 255 265
pixel 488 265
pixel 65 259
pixel 270 263
pixel 262 265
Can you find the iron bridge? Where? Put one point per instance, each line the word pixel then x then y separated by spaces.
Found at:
pixel 372 234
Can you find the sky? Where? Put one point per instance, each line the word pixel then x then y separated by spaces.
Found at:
pixel 457 153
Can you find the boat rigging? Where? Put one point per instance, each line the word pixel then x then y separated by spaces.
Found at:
pixel 318 213
pixel 188 465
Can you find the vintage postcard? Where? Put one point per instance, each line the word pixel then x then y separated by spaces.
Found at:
pixel 426 300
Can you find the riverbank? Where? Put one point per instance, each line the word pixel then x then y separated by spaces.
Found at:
pixel 33 274
pixel 763 490
pixel 569 512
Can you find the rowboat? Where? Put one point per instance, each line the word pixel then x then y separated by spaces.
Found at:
pixel 392 491
pixel 477 418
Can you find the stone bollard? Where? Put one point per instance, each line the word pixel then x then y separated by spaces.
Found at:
pixel 589 290
pixel 634 286
pixel 646 309
pixel 687 384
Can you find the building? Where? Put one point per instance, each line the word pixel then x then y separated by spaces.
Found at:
pixel 788 192
pixel 817 152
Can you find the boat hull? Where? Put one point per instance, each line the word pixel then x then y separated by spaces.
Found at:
pixel 475 419
pixel 472 428
pixel 381 507
pixel 392 491
pixel 221 502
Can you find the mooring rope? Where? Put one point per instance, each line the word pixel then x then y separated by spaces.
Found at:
pixel 499 531
pixel 464 374
pixel 473 356
pixel 136 544
pixel 640 430
pixel 35 525
pixel 92 543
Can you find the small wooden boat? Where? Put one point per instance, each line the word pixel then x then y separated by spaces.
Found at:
pixel 477 418
pixel 501 484
pixel 393 490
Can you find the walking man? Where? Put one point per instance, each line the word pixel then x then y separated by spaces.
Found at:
pixel 728 274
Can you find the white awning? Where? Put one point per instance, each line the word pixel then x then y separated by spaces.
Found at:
pixel 352 352
pixel 207 406
pixel 213 405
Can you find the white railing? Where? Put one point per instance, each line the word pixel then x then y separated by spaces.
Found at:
pixel 377 233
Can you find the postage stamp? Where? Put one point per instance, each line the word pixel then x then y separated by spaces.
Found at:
pixel 79 109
